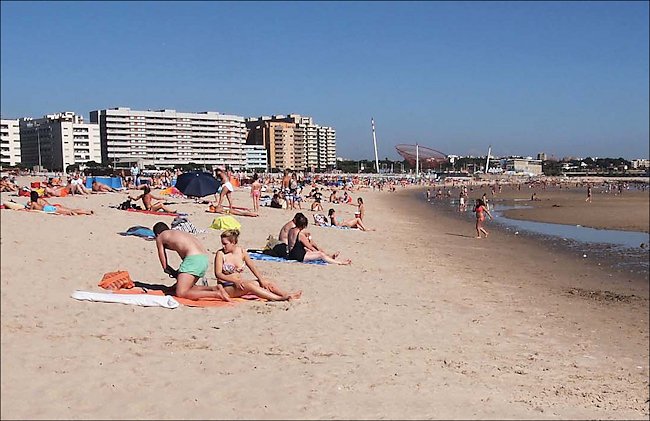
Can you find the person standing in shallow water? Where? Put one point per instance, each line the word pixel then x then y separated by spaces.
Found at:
pixel 481 210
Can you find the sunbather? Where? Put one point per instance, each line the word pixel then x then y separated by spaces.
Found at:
pixel 102 188
pixel 351 223
pixel 232 260
pixel 147 198
pixel 38 203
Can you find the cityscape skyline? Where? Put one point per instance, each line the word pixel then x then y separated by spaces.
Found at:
pixel 567 79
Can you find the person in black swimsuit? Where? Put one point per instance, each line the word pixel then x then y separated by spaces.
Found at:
pixel 301 247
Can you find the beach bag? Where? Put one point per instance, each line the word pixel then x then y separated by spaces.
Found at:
pixel 181 223
pixel 226 222
pixel 320 219
pixel 116 280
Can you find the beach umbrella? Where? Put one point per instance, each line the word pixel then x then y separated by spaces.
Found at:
pixel 197 184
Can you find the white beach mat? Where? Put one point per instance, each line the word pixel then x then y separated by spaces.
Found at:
pixel 144 300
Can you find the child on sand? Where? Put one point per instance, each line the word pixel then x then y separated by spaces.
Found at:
pixel 230 262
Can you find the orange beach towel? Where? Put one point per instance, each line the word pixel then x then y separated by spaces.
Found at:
pixel 204 302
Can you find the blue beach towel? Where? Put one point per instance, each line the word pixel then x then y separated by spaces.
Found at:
pixel 140 231
pixel 261 256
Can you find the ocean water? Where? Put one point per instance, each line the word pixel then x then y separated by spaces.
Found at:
pixel 626 251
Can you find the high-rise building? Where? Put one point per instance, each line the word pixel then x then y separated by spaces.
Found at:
pixel 293 142
pixel 541 156
pixel 255 158
pixel 58 140
pixel 167 138
pixel 9 142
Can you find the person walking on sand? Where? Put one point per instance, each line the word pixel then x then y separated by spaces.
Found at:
pixel 226 188
pixel 230 262
pixel 481 210
pixel 256 191
pixel 193 267
pixel 462 197
pixel 588 199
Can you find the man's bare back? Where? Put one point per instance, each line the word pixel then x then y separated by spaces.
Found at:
pixel 283 237
pixel 181 242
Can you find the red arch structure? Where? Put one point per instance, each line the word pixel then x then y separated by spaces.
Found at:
pixel 429 158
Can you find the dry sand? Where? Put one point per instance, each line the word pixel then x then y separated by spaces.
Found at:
pixel 427 323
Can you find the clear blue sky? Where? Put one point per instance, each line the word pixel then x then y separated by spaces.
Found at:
pixel 565 78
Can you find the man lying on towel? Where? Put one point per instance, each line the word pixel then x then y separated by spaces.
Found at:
pixel 193 267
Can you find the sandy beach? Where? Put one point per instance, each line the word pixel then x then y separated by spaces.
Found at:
pixel 427 323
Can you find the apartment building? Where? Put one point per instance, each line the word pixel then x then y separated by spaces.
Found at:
pixel 294 142
pixel 255 158
pixel 9 142
pixel 58 140
pixel 169 138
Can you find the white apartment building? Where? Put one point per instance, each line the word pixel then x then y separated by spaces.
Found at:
pixel 169 138
pixel 58 140
pixel 256 158
pixel 294 142
pixel 9 142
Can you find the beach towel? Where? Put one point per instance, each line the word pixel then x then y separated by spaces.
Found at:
pixel 259 255
pixel 13 205
pixel 181 223
pixel 150 212
pixel 225 222
pixel 140 231
pixel 145 300
pixel 204 302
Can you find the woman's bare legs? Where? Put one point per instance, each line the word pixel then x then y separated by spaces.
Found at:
pixel 253 287
pixel 316 255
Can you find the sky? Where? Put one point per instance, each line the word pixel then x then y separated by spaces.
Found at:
pixel 563 78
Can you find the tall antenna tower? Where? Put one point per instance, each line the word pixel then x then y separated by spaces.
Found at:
pixel 374 141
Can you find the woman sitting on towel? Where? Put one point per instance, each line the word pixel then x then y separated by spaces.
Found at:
pixel 38 203
pixel 147 200
pixel 301 247
pixel 232 260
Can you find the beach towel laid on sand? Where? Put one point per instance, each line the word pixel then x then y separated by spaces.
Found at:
pixel 259 255
pixel 150 212
pixel 181 223
pixel 145 300
pixel 140 231
pixel 203 302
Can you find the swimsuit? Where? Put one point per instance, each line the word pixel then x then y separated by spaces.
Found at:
pixel 256 193
pixel 229 269
pixel 195 264
pixel 49 208
pixel 298 251
pixel 229 186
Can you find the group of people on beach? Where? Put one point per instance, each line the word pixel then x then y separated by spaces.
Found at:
pixel 294 243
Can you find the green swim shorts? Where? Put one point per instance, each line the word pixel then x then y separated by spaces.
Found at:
pixel 196 264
